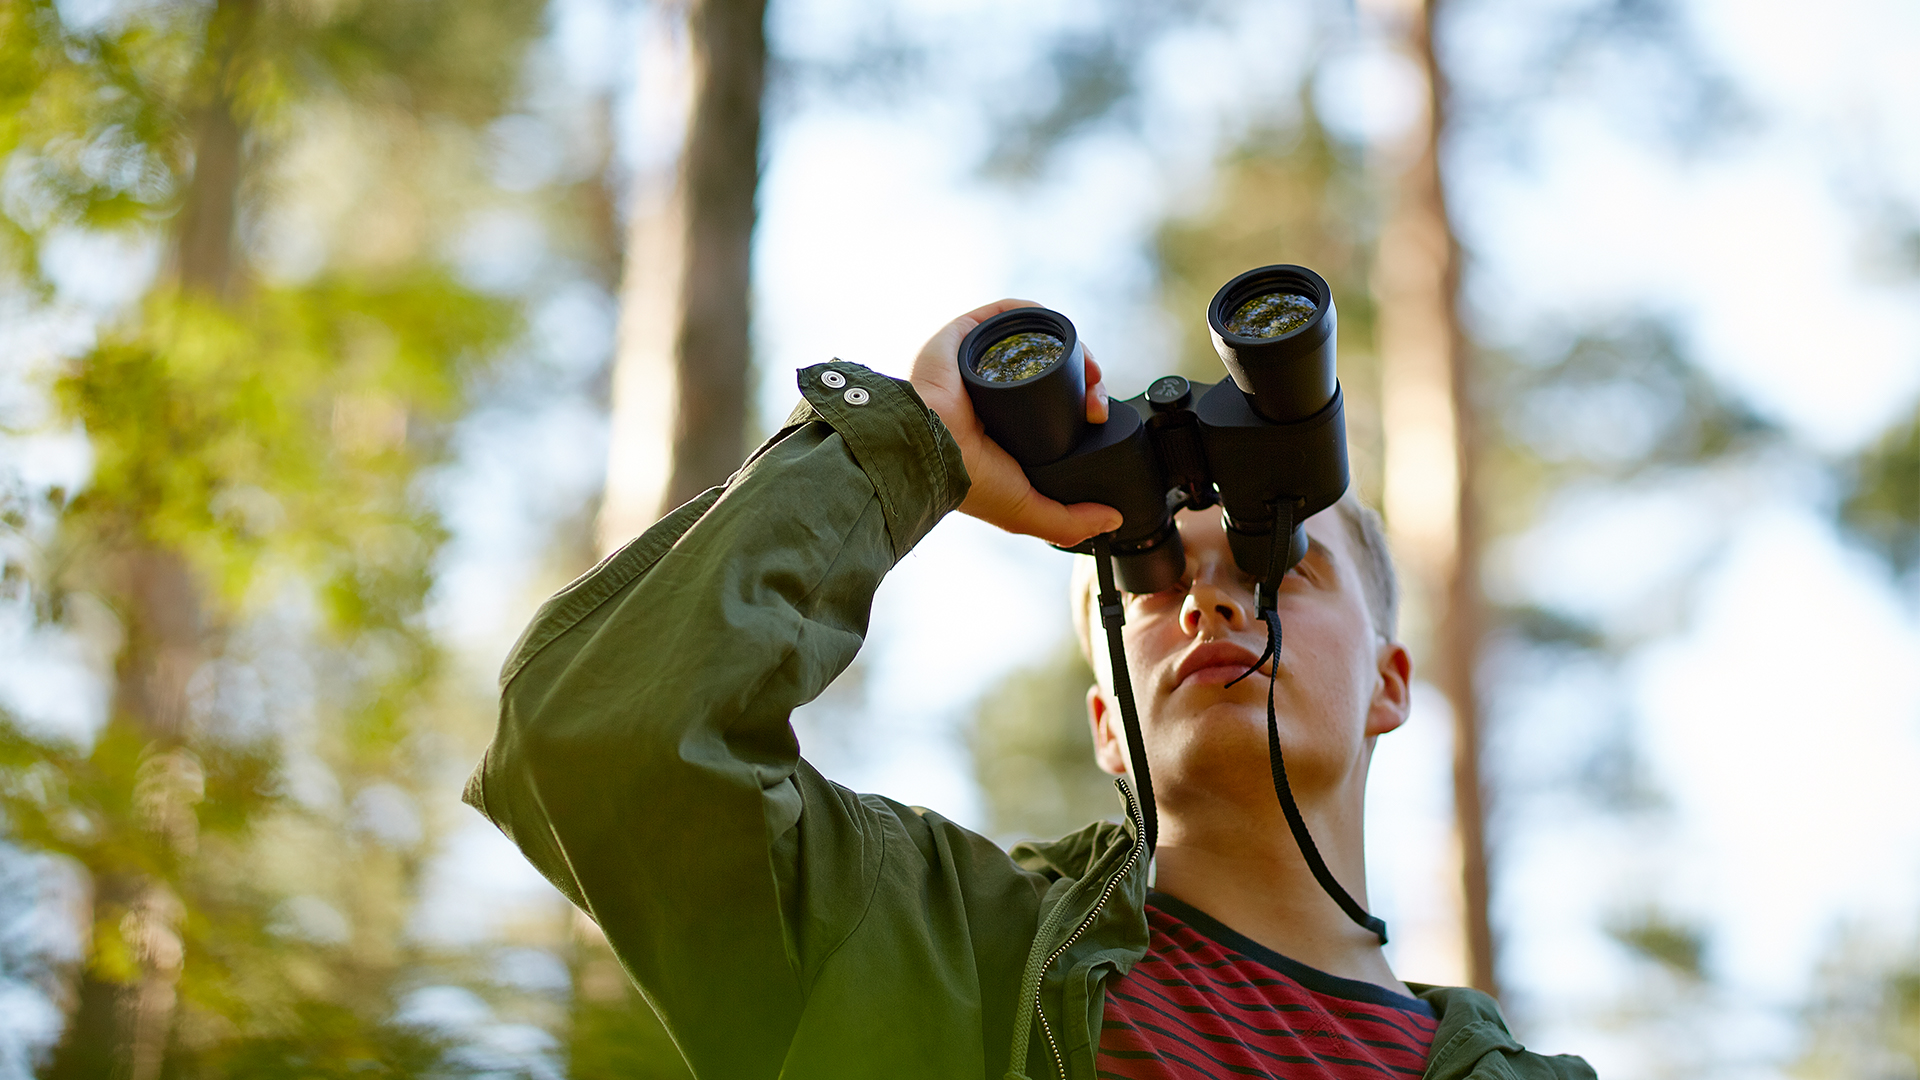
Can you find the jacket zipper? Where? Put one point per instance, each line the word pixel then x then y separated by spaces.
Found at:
pixel 1139 835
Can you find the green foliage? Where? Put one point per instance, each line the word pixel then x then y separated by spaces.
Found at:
pixel 615 1034
pixel 1653 935
pixel 1864 1015
pixel 1881 507
pixel 1285 193
pixel 1092 78
pixel 97 126
pixel 1553 629
pixel 88 805
pixel 323 1042
pixel 1627 399
pixel 282 436
pixel 86 131
pixel 1616 405
pixel 255 520
pixel 1033 752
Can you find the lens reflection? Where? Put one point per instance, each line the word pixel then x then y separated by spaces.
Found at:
pixel 1270 315
pixel 1018 356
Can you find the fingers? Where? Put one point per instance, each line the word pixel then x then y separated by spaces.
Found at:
pixel 950 334
pixel 1097 411
pixel 1001 494
pixel 987 311
pixel 1055 523
pixel 936 362
pixel 1083 521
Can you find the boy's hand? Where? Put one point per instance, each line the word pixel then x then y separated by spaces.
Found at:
pixel 1001 494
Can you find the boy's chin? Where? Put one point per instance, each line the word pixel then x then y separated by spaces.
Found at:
pixel 1210 699
pixel 1222 726
pixel 1227 724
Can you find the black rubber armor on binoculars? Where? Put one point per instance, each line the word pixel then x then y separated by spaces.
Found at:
pixel 1273 433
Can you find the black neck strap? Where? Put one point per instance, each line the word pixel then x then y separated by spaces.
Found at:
pixel 1113 615
pixel 1277 764
pixel 1279 561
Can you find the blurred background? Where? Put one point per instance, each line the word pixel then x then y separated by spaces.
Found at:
pixel 336 334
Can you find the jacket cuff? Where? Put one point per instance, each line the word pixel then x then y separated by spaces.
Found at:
pixel 905 450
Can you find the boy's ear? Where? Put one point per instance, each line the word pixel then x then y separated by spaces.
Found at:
pixel 1109 749
pixel 1393 689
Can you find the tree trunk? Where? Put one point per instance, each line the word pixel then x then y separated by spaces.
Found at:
pixel 680 380
pixel 124 1030
pixel 1432 461
pixel 204 232
pixel 203 252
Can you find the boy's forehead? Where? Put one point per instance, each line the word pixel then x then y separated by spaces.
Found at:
pixel 1204 529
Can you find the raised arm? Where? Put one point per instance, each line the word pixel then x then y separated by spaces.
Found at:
pixel 644 761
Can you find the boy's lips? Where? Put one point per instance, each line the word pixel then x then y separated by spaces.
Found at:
pixel 1214 662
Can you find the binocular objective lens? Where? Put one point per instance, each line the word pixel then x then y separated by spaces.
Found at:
pixel 1270 315
pixel 1019 356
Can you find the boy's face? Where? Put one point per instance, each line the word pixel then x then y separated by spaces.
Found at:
pixel 1340 682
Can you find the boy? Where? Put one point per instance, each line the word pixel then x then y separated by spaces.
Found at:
pixel 782 925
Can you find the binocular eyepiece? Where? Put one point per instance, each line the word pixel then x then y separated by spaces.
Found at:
pixel 1273 328
pixel 1271 437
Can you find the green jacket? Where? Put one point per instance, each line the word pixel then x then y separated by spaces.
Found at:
pixel 780 924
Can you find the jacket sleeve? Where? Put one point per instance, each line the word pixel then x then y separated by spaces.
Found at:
pixel 644 761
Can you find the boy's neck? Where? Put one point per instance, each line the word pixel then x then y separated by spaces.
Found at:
pixel 1251 876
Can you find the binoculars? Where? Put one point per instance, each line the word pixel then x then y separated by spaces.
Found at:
pixel 1267 445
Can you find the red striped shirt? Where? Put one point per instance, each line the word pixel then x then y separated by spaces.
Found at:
pixel 1209 1003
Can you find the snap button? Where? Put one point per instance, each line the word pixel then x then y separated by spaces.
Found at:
pixel 833 378
pixel 856 395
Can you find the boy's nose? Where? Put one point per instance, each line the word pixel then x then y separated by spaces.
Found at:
pixel 1211 606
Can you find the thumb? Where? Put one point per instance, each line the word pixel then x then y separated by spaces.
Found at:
pixel 1082 521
